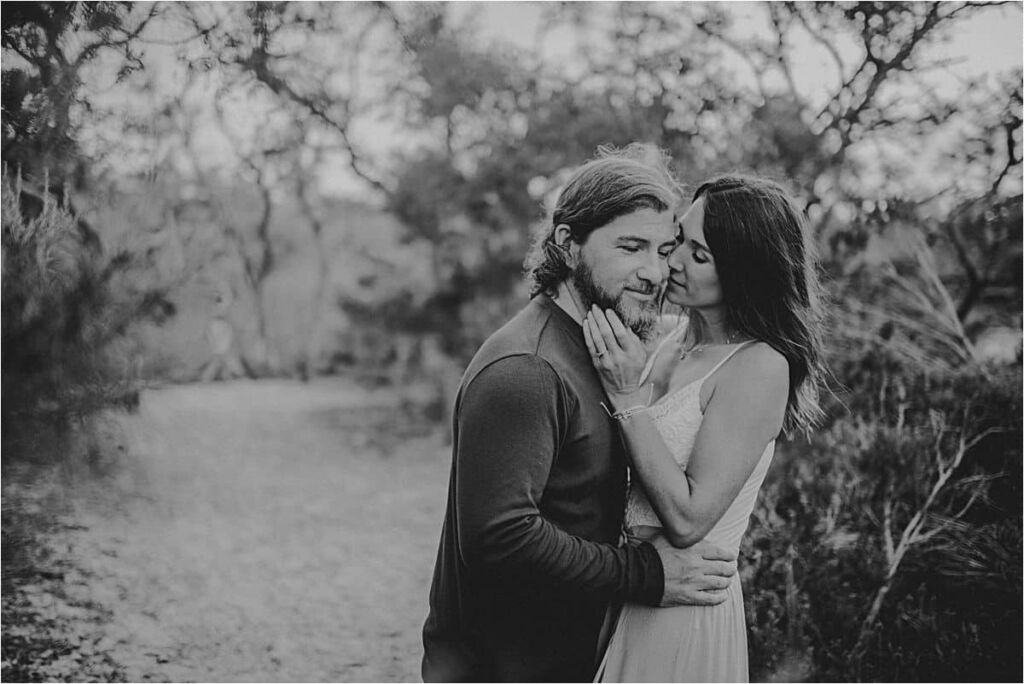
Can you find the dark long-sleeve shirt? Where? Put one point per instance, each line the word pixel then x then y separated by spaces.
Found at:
pixel 528 559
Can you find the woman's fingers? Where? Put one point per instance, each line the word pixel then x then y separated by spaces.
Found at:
pixel 589 339
pixel 597 343
pixel 623 335
pixel 604 329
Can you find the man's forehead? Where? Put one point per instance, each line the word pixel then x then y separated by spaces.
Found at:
pixel 646 224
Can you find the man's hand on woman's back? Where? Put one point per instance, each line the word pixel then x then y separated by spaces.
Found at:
pixel 695 576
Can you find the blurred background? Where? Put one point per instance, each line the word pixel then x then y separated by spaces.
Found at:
pixel 249 247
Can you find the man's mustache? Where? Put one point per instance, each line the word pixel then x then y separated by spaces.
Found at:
pixel 644 288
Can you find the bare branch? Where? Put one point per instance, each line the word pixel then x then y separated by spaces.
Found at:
pixel 89 51
pixel 201 32
pixel 260 69
pixel 743 51
pixel 975 495
pixel 1012 159
pixel 970 6
pixel 914 534
pixel 890 550
pixel 775 15
pixel 927 536
pixel 851 113
pixel 829 45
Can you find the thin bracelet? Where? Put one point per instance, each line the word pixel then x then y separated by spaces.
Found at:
pixel 627 412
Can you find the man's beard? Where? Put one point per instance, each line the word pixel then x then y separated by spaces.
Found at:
pixel 640 317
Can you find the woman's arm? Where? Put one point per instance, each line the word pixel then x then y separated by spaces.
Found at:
pixel 743 414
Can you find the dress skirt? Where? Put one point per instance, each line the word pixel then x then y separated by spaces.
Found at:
pixel 680 644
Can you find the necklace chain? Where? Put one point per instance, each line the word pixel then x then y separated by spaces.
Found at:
pixel 732 338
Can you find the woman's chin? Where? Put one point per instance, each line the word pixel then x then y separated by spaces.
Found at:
pixel 675 297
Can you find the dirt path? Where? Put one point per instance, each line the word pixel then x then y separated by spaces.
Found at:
pixel 271 531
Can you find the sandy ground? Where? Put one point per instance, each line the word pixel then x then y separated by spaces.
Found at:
pixel 268 531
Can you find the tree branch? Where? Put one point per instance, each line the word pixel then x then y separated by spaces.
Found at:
pixel 794 8
pixel 89 51
pixel 780 48
pixel 257 65
pixel 744 52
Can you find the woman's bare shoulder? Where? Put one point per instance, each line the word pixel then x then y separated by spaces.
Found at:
pixel 756 378
pixel 758 362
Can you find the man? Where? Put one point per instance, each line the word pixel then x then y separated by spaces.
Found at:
pixel 529 558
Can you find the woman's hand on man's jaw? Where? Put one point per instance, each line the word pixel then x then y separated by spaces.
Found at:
pixel 619 357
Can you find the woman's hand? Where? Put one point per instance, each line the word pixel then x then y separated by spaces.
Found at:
pixel 619 357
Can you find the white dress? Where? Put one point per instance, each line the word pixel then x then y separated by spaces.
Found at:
pixel 685 643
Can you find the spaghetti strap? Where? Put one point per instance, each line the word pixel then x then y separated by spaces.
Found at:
pixel 649 366
pixel 727 357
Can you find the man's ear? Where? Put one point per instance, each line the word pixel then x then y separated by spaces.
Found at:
pixel 564 240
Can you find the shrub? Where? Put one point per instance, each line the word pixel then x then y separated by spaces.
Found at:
pixel 67 310
pixel 888 547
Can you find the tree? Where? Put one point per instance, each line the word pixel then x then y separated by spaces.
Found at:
pixel 43 99
pixel 68 303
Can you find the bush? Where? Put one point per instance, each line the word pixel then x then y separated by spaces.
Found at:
pixel 888 547
pixel 67 311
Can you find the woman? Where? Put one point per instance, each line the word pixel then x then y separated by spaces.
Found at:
pixel 745 368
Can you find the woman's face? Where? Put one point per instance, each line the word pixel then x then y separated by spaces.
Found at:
pixel 693 278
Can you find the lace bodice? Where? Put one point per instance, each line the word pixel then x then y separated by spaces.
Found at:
pixel 677 416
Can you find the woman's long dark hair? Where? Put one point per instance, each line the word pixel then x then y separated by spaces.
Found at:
pixel 767 270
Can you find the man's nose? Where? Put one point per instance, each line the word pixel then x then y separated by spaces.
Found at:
pixel 654 270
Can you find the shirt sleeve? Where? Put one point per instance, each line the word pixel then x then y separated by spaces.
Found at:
pixel 512 418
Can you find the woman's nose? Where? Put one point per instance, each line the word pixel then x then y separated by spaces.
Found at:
pixel 675 260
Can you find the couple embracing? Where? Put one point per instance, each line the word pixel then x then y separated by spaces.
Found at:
pixel 604 467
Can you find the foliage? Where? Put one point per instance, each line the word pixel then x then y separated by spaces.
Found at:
pixel 66 313
pixel 67 305
pixel 484 150
pixel 862 515
pixel 42 95
pixel 844 576
pixel 886 548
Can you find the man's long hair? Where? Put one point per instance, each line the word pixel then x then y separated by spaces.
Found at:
pixel 767 270
pixel 615 183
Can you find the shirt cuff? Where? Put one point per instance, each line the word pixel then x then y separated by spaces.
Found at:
pixel 653 574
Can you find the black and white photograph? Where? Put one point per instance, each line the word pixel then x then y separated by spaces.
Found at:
pixel 499 341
